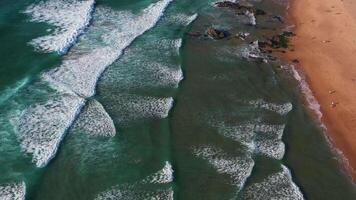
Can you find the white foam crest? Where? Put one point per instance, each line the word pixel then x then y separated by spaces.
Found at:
pixel 182 19
pixel 238 168
pixel 41 127
pixel 82 68
pixel 281 109
pixel 191 19
pixel 10 91
pixel 165 175
pixel 251 17
pixel 132 193
pixel 252 51
pixel 308 94
pixel 128 107
pixel 259 138
pixel 70 18
pixel 270 147
pixel 13 191
pixel 276 186
pixel 95 121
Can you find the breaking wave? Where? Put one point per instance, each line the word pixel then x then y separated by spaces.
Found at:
pixel 42 126
pixel 13 191
pixel 238 168
pixel 69 18
pixel 276 186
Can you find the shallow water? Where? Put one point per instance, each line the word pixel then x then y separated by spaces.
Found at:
pixel 123 104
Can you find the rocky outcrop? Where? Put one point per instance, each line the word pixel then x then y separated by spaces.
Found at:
pixel 240 7
pixel 217 34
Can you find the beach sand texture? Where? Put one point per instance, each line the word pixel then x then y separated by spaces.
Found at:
pixel 325 45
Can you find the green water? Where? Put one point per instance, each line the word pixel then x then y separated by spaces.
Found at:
pixel 193 119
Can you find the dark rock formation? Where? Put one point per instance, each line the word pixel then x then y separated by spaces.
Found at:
pixel 194 34
pixel 217 34
pixel 241 7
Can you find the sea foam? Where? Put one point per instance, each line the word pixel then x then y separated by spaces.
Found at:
pixel 132 193
pixel 13 191
pixel 95 121
pixel 265 139
pixel 165 175
pixel 281 109
pixel 117 30
pixel 69 18
pixel 42 126
pixel 128 107
pixel 276 186
pixel 238 168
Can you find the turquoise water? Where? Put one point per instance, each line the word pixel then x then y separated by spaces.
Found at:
pixel 113 100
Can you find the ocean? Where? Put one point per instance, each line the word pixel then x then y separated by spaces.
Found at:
pixel 130 99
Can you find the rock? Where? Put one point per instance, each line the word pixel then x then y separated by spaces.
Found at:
pixel 242 35
pixel 259 12
pixel 252 18
pixel 278 18
pixel 194 34
pixel 253 52
pixel 227 4
pixel 242 7
pixel 277 41
pixel 216 34
pixel 296 61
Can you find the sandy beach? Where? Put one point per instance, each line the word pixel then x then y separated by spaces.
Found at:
pixel 325 45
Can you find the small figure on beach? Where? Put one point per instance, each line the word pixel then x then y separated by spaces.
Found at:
pixel 332 91
pixel 333 104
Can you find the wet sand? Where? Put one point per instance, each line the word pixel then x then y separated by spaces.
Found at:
pixel 325 45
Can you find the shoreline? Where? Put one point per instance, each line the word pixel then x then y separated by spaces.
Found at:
pixel 325 45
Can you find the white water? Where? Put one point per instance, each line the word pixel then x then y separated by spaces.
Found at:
pixel 276 186
pixel 13 191
pixel 42 126
pixel 281 109
pixel 131 193
pixel 117 30
pixel 165 175
pixel 129 107
pixel 238 168
pixel 69 18
pixel 95 121
pixel 260 138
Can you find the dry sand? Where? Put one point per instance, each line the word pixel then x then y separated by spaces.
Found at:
pixel 325 45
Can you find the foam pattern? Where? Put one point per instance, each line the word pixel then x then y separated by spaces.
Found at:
pixel 128 193
pixel 128 107
pixel 281 109
pixel 260 138
pixel 42 126
pixel 165 175
pixel 237 168
pixel 117 30
pixel 69 18
pixel 95 121
pixel 13 191
pixel 275 186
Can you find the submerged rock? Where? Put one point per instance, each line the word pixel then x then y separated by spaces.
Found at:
pixel 217 34
pixel 241 7
pixel 253 52
pixel 242 35
pixel 277 41
pixel 194 34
